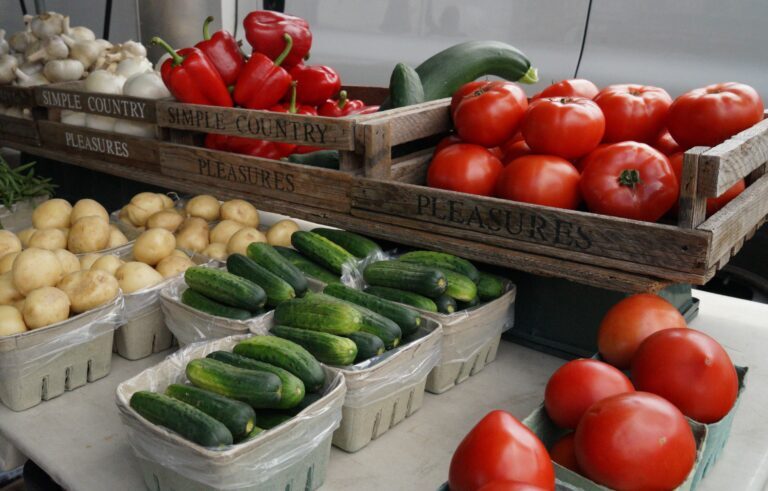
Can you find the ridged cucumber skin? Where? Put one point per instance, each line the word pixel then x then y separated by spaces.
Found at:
pixel 287 355
pixel 270 259
pixel 270 419
pixel 309 268
pixel 277 289
pixel 202 303
pixel 446 304
pixel 408 319
pixel 293 388
pixel 327 348
pixel 258 388
pixel 368 345
pixel 237 416
pixel 357 245
pixel 442 260
pixel 490 287
pixel 459 286
pixel 226 288
pixel 443 73
pixel 404 87
pixel 319 314
pixel 187 421
pixel 468 305
pixel 321 250
pixel 401 296
pixel 430 282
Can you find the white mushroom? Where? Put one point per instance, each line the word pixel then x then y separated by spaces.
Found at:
pixel 86 52
pixel 147 85
pixel 20 40
pixel 79 33
pixel 8 65
pixel 46 25
pixel 52 48
pixel 24 80
pixel 104 82
pixel 63 70
pixel 133 66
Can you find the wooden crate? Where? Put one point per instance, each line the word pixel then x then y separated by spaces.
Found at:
pixel 72 96
pixel 19 129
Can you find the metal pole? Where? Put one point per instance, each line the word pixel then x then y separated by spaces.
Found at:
pixel 40 7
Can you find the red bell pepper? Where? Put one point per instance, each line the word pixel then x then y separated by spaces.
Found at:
pixel 338 108
pixel 222 50
pixel 265 31
pixel 254 147
pixel 366 110
pixel 263 82
pixel 192 78
pixel 215 141
pixel 316 83
pixel 293 108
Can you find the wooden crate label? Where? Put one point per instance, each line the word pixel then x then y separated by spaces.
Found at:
pixel 247 174
pixel 111 147
pixel 96 144
pixel 106 105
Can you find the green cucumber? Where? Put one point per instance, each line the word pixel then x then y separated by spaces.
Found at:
pixel 270 419
pixel 287 355
pixel 204 304
pixel 258 388
pixel 313 270
pixel 293 388
pixel 401 296
pixel 308 400
pixel 328 159
pixel 442 261
pixel 225 288
pixel 256 431
pixel 319 314
pixel 404 87
pixel 443 73
pixel 430 282
pixel 468 305
pixel 357 245
pixel 459 286
pixel 368 345
pixel 490 287
pixel 327 348
pixel 237 416
pixel 321 250
pixel 408 319
pixel 268 258
pixel 187 421
pixel 445 304
pixel 277 289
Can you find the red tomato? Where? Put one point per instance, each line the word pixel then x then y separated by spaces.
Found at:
pixel 666 144
pixel 497 152
pixel 689 369
pixel 578 384
pixel 633 112
pixel 447 142
pixel 629 322
pixel 563 453
pixel 498 448
pixel 629 180
pixel 465 168
pixel 510 486
pixel 491 114
pixel 636 441
pixel 542 180
pixel 568 128
pixel 581 163
pixel 714 113
pixel 514 149
pixel 465 89
pixel 575 87
pixel 713 204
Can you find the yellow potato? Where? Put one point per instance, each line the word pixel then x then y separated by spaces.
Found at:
pixel 53 213
pixel 6 262
pixel 88 234
pixel 167 201
pixel 8 292
pixel 116 237
pixel 167 219
pixel 150 202
pixel 192 238
pixel 36 268
pixel 216 251
pixel 45 306
pixel 134 276
pixel 135 215
pixel 240 241
pixel 9 242
pixel 179 253
pixel 88 208
pixel 194 222
pixel 224 230
pixel 25 235
pixel 280 233
pixel 65 231
pixel 240 211
pixel 204 206
pixel 11 321
pixel 173 265
pixel 154 245
pixel 19 304
pixel 89 289
pixel 69 262
pixel 48 238
pixel 87 260
pixel 108 263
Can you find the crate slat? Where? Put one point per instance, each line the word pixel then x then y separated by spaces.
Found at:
pixel 20 128
pixel 17 96
pixel 72 96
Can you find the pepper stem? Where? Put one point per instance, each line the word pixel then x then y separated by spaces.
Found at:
pixel 530 77
pixel 630 177
pixel 342 99
pixel 206 32
pixel 177 59
pixel 292 106
pixel 288 47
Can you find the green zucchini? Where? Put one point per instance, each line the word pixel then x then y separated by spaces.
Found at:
pixel 423 280
pixel 321 250
pixel 237 416
pixel 328 159
pixel 256 431
pixel 368 345
pixel 408 319
pixel 270 419
pixel 327 348
pixel 277 289
pixel 313 270
pixel 443 73
pixel 293 388
pixel 268 258
pixel 258 388
pixel 225 288
pixel 490 287
pixel 445 304
pixel 284 354
pixel 319 314
pixel 357 245
pixel 204 304
pixel 459 286
pixel 187 421
pixel 442 261
pixel 404 87
pixel 468 305
pixel 401 296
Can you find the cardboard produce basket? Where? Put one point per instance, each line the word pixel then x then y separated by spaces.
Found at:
pixel 22 127
pixel 293 455
pixel 41 364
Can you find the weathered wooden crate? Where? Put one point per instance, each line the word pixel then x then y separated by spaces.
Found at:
pixel 12 128
pixel 688 252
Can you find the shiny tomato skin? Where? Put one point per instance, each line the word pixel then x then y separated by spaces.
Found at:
pixel 574 87
pixel 491 114
pixel 567 127
pixel 499 447
pixel 447 142
pixel 497 152
pixel 542 180
pixel 510 486
pixel 713 204
pixel 629 180
pixel 514 149
pixel 689 369
pixel 629 322
pixel 633 112
pixel 578 384
pixel 635 441
pixel 464 168
pixel 712 114
pixel 465 89
pixel 563 453
pixel 581 163
pixel 666 144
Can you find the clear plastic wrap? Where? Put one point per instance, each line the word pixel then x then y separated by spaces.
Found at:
pixel 292 455
pixel 19 215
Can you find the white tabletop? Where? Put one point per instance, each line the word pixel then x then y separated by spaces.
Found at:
pixel 79 440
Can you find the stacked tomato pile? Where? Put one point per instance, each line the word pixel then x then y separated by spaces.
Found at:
pixel 616 151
